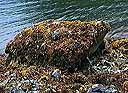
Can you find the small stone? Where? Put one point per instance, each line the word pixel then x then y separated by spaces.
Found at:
pixel 55 35
pixel 111 89
pixel 56 73
pixel 96 88
pixel 99 88
pixel 13 75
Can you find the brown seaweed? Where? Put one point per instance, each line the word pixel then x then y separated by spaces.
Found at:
pixel 65 44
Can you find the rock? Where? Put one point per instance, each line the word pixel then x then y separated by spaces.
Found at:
pixel 99 88
pixel 56 73
pixel 117 53
pixel 118 49
pixel 96 88
pixel 115 56
pixel 121 44
pixel 111 89
pixel 65 44
pixel 14 90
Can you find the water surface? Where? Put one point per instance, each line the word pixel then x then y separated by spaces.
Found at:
pixel 18 14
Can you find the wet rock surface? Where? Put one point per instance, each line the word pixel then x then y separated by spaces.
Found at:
pixel 64 44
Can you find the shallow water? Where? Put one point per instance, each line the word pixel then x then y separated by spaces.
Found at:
pixel 18 14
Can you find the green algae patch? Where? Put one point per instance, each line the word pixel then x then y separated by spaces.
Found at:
pixel 64 44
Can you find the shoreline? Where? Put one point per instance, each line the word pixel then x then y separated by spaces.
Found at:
pixel 63 48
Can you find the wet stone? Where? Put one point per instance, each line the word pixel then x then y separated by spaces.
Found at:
pixel 99 88
pixel 56 73
pixel 55 35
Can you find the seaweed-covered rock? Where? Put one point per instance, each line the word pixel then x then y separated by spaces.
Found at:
pixel 117 55
pixel 115 58
pixel 118 48
pixel 58 43
pixel 117 44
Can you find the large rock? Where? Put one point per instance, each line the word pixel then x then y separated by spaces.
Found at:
pixel 63 43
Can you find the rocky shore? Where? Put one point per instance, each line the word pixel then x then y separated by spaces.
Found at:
pixel 65 57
